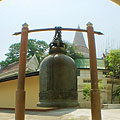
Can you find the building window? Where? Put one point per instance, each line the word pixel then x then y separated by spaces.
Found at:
pixel 86 81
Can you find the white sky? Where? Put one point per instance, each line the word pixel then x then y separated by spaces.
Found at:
pixel 66 13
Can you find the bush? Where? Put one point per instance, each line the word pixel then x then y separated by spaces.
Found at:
pixel 87 91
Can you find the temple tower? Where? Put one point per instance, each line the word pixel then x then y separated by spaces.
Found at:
pixel 79 44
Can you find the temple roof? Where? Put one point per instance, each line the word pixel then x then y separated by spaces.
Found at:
pixel 11 70
pixel 85 63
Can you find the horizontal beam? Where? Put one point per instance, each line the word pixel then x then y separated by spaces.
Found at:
pixel 63 29
pixel 116 1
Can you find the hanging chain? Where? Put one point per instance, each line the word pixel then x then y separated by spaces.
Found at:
pixel 57 39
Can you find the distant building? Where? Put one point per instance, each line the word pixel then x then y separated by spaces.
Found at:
pixel 80 45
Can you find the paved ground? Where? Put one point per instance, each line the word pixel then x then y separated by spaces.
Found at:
pixel 62 114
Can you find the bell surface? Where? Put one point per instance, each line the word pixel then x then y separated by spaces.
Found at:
pixel 58 80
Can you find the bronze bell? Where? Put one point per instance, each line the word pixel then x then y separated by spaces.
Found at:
pixel 58 79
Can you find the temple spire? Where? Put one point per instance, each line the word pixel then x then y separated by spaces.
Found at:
pixel 79 39
pixel 79 43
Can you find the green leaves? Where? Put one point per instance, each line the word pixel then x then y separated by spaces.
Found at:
pixel 116 93
pixel 71 52
pixel 87 91
pixel 35 47
pixel 113 63
pixel 38 48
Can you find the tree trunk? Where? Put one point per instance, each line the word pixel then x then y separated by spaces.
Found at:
pixel 112 90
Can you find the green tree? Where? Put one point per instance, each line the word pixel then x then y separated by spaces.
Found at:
pixel 71 51
pixel 36 47
pixel 116 93
pixel 39 48
pixel 13 54
pixel 113 63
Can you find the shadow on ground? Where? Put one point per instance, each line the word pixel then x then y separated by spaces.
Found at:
pixel 57 112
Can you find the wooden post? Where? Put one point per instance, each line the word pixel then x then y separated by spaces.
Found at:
pixel 20 93
pixel 95 94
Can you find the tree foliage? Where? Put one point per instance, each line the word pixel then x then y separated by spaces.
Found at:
pixel 87 91
pixel 113 63
pixel 71 51
pixel 116 93
pixel 36 47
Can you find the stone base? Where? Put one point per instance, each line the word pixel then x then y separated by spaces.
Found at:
pixel 58 104
pixel 111 106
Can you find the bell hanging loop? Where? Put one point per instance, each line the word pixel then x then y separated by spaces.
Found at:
pixel 57 39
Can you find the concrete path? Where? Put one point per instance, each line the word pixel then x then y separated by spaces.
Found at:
pixel 62 114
